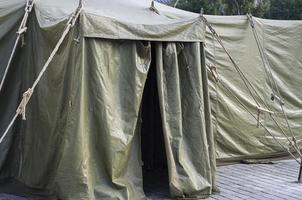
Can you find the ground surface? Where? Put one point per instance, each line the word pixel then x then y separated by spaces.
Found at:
pixel 275 181
pixel 248 182
pixel 10 197
pixel 259 182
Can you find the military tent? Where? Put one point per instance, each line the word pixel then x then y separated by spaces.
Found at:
pixel 79 71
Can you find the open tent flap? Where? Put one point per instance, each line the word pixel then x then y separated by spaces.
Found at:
pixel 236 132
pixel 81 136
pixel 179 77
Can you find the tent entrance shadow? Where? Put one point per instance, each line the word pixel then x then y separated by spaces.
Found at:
pixel 155 172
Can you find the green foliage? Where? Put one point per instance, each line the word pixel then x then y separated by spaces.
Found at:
pixel 274 9
pixel 209 6
pixel 285 9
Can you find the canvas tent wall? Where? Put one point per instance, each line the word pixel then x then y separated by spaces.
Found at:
pixel 81 136
pixel 236 134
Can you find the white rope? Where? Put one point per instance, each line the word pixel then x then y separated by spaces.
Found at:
pixel 27 95
pixel 22 29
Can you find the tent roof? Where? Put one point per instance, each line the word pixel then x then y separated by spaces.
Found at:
pixel 119 19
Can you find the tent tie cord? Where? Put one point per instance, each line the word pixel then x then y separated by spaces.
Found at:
pixel 277 98
pixel 20 35
pixel 22 106
pixel 272 81
pixel 28 94
pixel 214 72
pixel 153 8
pixel 213 69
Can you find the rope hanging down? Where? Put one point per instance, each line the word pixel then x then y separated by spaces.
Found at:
pixel 27 95
pixel 258 107
pixel 20 35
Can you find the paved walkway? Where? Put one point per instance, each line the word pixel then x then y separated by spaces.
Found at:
pixel 259 182
pixel 10 197
pixel 275 181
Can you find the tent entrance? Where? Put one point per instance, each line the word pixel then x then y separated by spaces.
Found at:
pixel 155 172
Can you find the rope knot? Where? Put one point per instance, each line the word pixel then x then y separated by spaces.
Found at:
pixel 214 72
pixel 260 111
pixel 25 99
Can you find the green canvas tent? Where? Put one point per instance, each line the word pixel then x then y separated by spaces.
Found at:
pixel 81 136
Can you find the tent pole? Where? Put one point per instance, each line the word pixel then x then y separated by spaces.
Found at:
pixel 207 113
pixel 300 172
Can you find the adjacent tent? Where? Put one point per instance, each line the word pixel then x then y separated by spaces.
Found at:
pixel 81 137
pixel 236 132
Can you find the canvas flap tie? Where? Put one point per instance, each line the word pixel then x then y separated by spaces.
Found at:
pixel 22 106
pixel 214 72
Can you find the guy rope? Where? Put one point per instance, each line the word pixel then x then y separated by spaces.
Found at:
pixel 27 95
pixel 276 95
pixel 253 93
pixel 20 35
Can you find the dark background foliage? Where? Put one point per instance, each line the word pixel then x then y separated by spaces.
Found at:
pixel 271 9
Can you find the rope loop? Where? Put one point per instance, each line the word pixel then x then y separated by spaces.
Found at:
pixel 22 106
pixel 29 6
